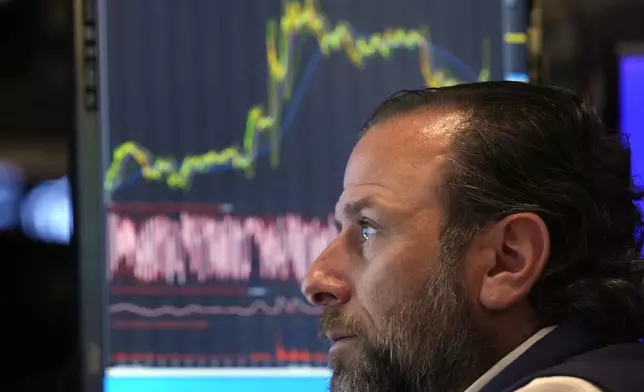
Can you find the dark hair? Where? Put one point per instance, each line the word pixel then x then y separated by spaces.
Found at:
pixel 527 148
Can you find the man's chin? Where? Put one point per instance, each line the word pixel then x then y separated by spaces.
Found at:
pixel 345 354
pixel 346 380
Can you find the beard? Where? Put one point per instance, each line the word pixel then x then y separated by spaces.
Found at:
pixel 430 344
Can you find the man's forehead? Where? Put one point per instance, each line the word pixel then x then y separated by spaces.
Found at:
pixel 421 125
pixel 398 160
pixel 399 152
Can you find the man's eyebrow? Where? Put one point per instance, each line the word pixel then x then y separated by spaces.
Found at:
pixel 353 208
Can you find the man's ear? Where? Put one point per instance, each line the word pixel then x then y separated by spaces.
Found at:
pixel 519 248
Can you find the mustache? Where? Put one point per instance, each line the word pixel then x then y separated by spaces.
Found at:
pixel 334 319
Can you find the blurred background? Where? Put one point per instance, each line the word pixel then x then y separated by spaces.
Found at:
pixel 178 79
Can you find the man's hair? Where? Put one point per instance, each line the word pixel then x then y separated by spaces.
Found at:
pixel 527 148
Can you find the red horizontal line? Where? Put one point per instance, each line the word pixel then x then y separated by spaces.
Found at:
pixel 302 356
pixel 166 325
pixel 280 355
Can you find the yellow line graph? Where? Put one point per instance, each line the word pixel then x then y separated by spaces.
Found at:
pixel 299 17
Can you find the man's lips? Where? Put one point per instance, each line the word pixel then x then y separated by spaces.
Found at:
pixel 336 336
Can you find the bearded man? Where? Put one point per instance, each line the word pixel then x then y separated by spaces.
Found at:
pixel 489 242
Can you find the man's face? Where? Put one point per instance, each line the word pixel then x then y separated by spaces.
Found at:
pixel 398 315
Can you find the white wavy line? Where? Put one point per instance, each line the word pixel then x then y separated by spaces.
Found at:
pixel 282 305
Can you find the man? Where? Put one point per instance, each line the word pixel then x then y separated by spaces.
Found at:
pixel 489 237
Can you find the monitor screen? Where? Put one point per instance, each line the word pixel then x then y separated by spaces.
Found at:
pixel 224 130
pixel 631 103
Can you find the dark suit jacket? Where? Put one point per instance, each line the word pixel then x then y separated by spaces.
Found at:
pixel 573 350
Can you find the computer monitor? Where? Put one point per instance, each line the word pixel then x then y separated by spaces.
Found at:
pixel 211 143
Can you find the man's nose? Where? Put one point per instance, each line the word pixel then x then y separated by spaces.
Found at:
pixel 325 283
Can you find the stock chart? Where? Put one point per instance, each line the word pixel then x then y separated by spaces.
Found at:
pixel 228 125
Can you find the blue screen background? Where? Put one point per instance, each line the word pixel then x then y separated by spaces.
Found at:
pixel 215 383
pixel 632 109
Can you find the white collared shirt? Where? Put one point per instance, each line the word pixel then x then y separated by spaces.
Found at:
pixel 544 384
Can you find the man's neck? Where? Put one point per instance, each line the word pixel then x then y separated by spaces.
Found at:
pixel 507 330
pixel 507 360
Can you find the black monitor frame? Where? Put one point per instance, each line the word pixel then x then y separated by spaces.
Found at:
pixel 87 185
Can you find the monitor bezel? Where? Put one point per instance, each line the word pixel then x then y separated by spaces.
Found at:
pixel 86 178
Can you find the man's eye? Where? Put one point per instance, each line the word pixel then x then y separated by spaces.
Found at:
pixel 367 230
